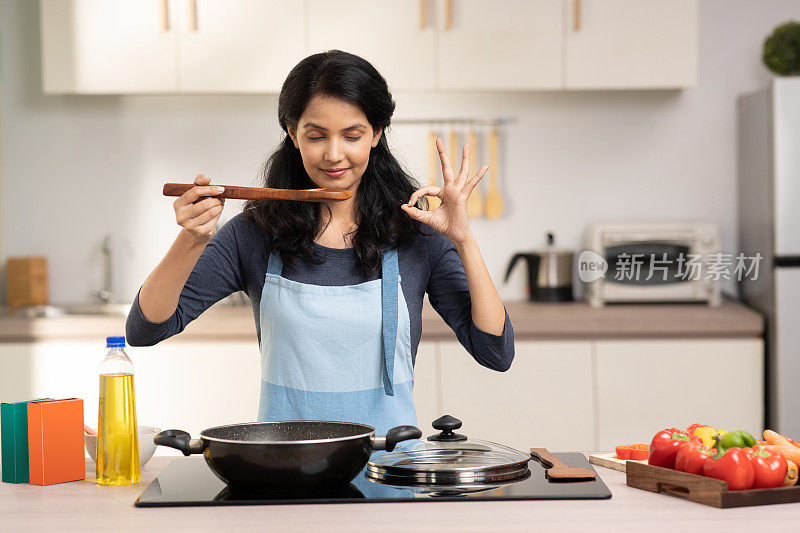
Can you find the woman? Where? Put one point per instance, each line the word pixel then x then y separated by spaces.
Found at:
pixel 337 287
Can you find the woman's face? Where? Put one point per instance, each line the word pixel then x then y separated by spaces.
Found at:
pixel 334 138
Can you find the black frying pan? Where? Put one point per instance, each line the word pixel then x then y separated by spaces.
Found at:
pixel 295 455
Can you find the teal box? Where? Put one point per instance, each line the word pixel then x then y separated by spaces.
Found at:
pixel 14 427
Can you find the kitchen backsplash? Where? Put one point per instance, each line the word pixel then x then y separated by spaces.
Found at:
pixel 79 167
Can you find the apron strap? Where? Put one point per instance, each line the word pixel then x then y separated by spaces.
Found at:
pixel 390 274
pixel 274 263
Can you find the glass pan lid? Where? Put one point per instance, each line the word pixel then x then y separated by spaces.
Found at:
pixel 449 458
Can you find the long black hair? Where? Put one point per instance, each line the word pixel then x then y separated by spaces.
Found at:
pixel 383 187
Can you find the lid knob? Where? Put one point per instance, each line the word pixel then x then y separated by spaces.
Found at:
pixel 447 424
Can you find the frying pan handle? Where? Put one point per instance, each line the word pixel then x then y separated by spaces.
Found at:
pixel 180 440
pixel 393 436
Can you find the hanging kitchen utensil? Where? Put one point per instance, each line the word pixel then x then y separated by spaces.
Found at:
pixel 494 202
pixel 555 469
pixel 257 193
pixel 296 455
pixel 453 151
pixel 475 200
pixel 449 459
pixel 433 164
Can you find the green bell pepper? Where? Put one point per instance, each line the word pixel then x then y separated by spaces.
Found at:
pixel 734 439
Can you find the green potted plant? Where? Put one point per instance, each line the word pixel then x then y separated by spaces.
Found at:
pixel 782 49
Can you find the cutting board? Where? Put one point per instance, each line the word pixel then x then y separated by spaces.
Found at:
pixel 705 490
pixel 609 460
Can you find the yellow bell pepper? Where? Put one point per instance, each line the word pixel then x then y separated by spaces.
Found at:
pixel 707 434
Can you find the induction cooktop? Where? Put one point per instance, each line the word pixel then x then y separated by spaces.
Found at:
pixel 187 481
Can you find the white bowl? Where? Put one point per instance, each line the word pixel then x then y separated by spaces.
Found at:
pixel 146 445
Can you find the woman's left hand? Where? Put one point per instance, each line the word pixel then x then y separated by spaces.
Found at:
pixel 450 218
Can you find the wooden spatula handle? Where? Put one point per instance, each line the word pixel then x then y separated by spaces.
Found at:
pixel 547 457
pixel 257 193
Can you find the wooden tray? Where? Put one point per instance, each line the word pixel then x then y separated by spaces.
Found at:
pixel 705 490
pixel 609 460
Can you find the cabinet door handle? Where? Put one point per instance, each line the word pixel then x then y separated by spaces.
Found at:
pixel 193 15
pixel 448 15
pixel 423 14
pixel 578 13
pixel 165 14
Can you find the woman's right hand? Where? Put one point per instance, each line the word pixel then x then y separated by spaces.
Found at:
pixel 197 211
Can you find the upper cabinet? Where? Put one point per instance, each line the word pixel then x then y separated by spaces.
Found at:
pixel 621 44
pixel 162 46
pixel 249 46
pixel 108 46
pixel 238 46
pixel 397 36
pixel 502 44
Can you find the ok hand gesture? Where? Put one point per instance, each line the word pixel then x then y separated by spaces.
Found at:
pixel 450 218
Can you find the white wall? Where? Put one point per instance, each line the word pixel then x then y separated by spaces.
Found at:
pixel 77 167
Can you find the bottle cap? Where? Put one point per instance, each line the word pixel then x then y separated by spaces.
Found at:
pixel 115 342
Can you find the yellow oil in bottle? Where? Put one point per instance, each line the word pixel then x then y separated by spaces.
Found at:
pixel 117 438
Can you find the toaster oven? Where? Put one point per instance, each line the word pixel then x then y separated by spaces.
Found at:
pixel 651 262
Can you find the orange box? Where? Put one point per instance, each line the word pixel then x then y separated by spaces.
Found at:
pixel 55 441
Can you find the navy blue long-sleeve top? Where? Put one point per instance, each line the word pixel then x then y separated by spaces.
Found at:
pixel 236 260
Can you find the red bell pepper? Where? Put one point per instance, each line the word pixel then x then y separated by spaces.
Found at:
pixel 691 456
pixel 769 468
pixel 690 429
pixel 633 452
pixel 732 466
pixel 665 445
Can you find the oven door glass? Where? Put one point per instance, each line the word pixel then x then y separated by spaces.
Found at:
pixel 648 263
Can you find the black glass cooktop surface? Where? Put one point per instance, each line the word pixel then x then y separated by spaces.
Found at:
pixel 188 481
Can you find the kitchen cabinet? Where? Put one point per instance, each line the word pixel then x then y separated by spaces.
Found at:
pixel 249 46
pixel 108 46
pixel 617 44
pixel 246 46
pixel 544 400
pixel 644 386
pixel 427 385
pixel 588 394
pixel 162 46
pixel 503 44
pixel 182 385
pixel 17 374
pixel 397 36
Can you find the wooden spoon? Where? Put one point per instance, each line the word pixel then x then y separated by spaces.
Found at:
pixel 557 469
pixel 258 193
pixel 475 200
pixel 433 163
pixel 494 202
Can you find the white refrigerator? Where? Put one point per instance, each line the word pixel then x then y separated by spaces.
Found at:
pixel 769 224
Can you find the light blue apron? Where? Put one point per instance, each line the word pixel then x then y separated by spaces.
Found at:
pixel 328 354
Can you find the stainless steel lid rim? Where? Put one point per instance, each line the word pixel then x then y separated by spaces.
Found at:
pixel 413 469
pixel 448 477
pixel 433 468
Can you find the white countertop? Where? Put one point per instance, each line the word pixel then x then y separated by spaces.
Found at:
pixel 531 321
pixel 85 506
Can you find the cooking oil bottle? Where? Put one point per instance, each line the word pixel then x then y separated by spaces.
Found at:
pixel 117 438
